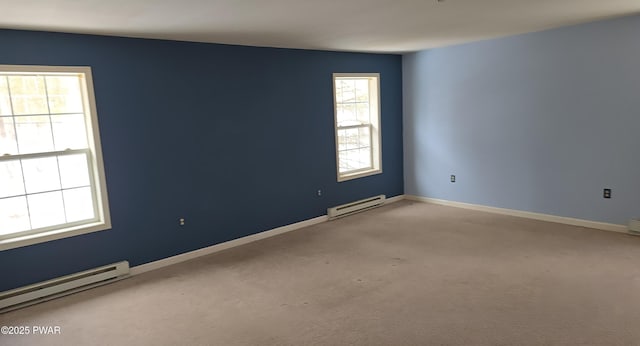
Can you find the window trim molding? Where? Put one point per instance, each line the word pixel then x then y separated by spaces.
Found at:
pixel 376 146
pixel 97 166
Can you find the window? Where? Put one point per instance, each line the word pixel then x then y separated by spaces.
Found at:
pixel 357 119
pixel 51 175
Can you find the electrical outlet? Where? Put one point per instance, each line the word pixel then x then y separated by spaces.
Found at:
pixel 181 221
pixel 606 193
pixel 319 193
pixel 453 178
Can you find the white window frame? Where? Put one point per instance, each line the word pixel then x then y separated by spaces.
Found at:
pixel 102 220
pixel 374 126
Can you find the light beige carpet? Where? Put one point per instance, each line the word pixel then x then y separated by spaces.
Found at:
pixel 404 274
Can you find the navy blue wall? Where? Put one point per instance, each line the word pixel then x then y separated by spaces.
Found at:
pixel 235 139
pixel 540 122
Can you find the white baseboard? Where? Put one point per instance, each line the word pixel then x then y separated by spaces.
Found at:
pixel 306 223
pixel 525 214
pixel 143 268
pixel 394 199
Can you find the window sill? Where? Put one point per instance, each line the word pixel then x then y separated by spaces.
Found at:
pixel 357 175
pixel 12 243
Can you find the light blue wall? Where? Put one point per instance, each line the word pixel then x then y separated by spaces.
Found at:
pixel 539 122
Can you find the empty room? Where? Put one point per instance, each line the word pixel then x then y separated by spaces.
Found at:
pixel 297 172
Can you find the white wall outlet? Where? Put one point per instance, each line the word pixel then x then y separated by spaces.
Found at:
pixel 181 221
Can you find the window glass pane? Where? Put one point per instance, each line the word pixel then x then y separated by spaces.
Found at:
pixel 14 216
pixel 364 137
pixel 355 159
pixel 346 159
pixel 11 182
pixel 346 139
pixel 28 95
pixel 351 138
pixel 46 209
pixel 346 114
pixel 64 94
pixel 8 141
pixel 342 140
pixel 78 204
pixel 34 134
pixel 5 101
pixel 343 162
pixel 362 90
pixel 364 116
pixel 364 158
pixel 352 159
pixel 338 86
pixel 41 174
pixel 69 131
pixel 348 87
pixel 74 171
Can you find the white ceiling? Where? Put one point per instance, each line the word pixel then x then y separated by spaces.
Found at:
pixel 348 25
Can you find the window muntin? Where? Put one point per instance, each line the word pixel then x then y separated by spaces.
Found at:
pixel 51 173
pixel 357 122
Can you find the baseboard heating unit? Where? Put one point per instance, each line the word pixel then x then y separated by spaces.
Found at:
pixel 58 287
pixel 355 207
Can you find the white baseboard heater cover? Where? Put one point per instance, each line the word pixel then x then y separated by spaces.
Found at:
pixel 634 226
pixel 62 286
pixel 355 207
